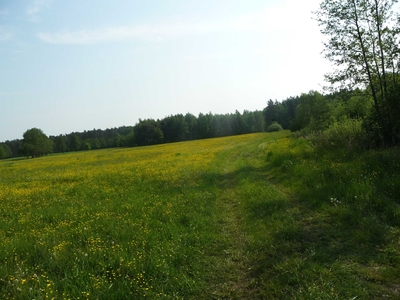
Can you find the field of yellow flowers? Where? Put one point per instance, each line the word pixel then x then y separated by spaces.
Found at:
pixel 110 224
pixel 259 216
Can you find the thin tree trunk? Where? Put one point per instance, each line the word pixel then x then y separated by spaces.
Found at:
pixel 367 67
pixel 378 25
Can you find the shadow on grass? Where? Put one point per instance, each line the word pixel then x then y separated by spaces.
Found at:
pixel 307 249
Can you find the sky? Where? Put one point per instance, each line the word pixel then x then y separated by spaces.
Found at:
pixel 70 66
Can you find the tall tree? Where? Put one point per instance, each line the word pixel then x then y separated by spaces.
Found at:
pixel 203 126
pixel 60 144
pixel 239 125
pixel 36 143
pixel 148 132
pixel 313 112
pixel 174 128
pixel 363 43
pixel 74 143
pixel 191 120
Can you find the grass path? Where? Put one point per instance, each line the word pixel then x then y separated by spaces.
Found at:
pixel 232 280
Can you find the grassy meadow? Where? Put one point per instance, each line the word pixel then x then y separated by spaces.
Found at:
pixel 258 216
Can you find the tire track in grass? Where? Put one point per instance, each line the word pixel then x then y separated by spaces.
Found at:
pixel 230 268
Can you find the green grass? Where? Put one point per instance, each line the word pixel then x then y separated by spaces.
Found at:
pixel 338 236
pixel 260 216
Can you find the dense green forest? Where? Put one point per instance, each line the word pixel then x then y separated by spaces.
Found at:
pixel 342 117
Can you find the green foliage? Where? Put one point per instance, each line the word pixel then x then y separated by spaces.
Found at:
pixel 60 144
pixel 87 146
pixel 275 112
pixel 5 151
pixel 202 130
pixel 2 152
pixel 274 127
pixel 363 41
pixel 174 128
pixel 130 139
pixel 346 134
pixel 313 112
pixel 74 143
pixel 336 235
pixel 148 132
pixel 36 143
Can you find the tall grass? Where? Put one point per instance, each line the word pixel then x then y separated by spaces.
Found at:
pixel 341 234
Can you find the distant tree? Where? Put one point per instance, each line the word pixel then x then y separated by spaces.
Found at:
pixel 203 126
pixel 5 151
pixel 36 143
pixel 314 112
pixel 259 121
pixel 2 152
pixel 191 121
pixel 226 124
pixel 74 143
pixel 130 139
pixel 95 143
pixel 175 128
pixel 117 140
pixel 270 112
pixel 215 126
pixel 148 132
pixel 60 144
pixel 86 146
pixel 14 146
pixel 276 112
pixel 239 126
pixel 102 143
pixel 250 121
pixel 290 105
pixel 110 142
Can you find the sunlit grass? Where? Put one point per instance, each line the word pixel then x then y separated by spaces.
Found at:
pixel 103 224
pixel 260 216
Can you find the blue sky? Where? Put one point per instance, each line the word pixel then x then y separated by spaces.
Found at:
pixel 77 65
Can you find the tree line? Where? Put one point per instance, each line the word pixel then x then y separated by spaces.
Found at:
pixel 311 113
pixel 174 128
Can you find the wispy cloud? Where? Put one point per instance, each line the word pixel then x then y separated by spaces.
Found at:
pixel 156 33
pixel 35 8
pixel 267 20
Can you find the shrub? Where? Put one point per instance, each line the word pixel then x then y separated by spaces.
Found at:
pixel 347 134
pixel 274 127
